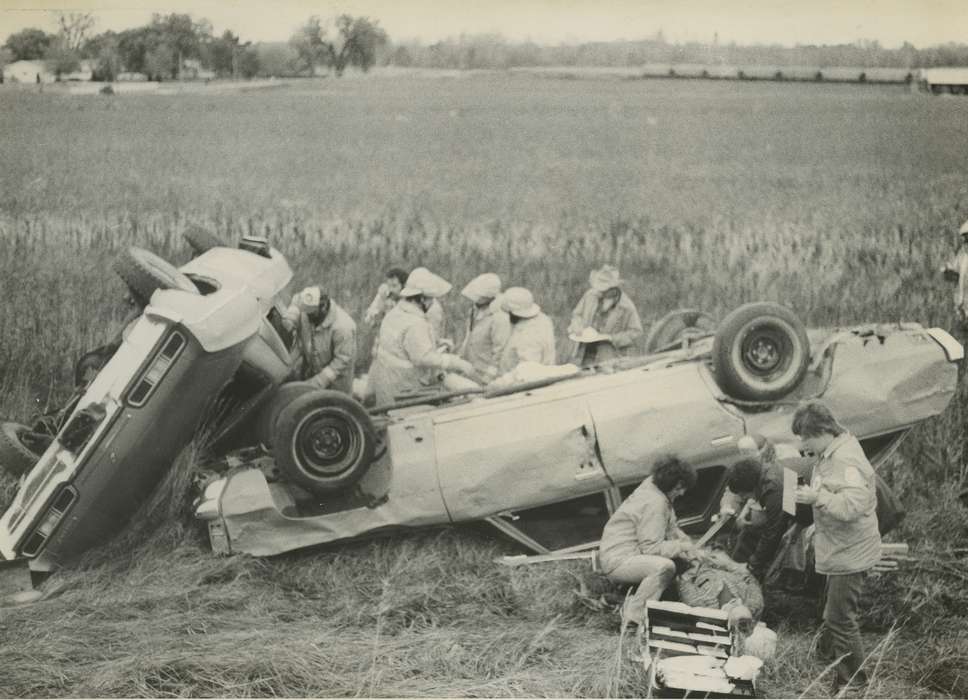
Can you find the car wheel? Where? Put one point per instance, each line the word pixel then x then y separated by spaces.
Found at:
pixel 669 331
pixel 145 273
pixel 269 415
pixel 324 441
pixel 201 240
pixel 20 448
pixel 760 352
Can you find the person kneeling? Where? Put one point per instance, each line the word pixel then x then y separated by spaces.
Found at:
pixel 642 539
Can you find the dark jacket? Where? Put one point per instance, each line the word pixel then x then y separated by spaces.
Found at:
pixel 769 494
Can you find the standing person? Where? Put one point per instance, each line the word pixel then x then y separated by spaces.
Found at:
pixel 488 326
pixel 407 359
pixel 387 295
pixel 607 310
pixel 327 338
pixel 642 538
pixel 532 336
pixel 846 542
pixel 956 269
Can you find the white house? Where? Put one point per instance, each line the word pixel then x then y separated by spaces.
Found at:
pixel 27 72
pixel 85 71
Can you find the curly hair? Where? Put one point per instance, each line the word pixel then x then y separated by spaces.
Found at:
pixel 397 273
pixel 744 476
pixel 813 420
pixel 670 471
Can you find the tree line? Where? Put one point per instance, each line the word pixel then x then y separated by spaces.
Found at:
pixel 160 49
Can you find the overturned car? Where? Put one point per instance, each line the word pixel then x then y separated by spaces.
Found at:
pixel 548 461
pixel 544 461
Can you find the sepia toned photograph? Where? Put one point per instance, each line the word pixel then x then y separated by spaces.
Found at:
pixel 534 348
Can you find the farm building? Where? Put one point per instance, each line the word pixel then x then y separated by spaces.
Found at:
pixel 27 72
pixel 941 80
pixel 776 72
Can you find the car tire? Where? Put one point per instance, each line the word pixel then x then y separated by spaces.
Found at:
pixel 201 240
pixel 269 415
pixel 16 458
pixel 761 352
pixel 670 330
pixel 145 273
pixel 324 441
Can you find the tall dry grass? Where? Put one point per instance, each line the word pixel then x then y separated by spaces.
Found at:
pixel 840 203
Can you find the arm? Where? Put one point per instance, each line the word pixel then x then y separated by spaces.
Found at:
pixel 772 533
pixel 650 532
pixel 577 324
pixel 290 317
pixel 500 334
pixel 376 306
pixel 632 332
pixel 419 346
pixel 845 500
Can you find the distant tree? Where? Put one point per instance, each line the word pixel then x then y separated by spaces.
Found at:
pixel 133 45
pixel 104 51
pixel 224 54
pixel 29 44
pixel 310 46
pixel 74 29
pixel 277 59
pixel 61 60
pixel 161 62
pixel 357 43
pixel 247 61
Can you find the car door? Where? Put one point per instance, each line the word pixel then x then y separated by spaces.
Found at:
pixel 516 452
pixel 643 413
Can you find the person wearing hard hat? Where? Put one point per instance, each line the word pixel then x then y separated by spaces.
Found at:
pixel 532 336
pixel 956 270
pixel 488 325
pixel 327 339
pixel 407 359
pixel 605 324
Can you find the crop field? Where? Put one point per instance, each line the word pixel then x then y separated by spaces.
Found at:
pixel 840 201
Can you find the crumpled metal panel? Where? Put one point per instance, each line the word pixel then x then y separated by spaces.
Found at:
pixel 525 454
pixel 656 412
pixel 407 495
pixel 878 384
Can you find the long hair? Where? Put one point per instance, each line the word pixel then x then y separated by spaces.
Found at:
pixel 670 471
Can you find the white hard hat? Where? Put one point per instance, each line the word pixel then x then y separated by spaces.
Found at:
pixel 964 228
pixel 520 302
pixel 423 281
pixel 486 286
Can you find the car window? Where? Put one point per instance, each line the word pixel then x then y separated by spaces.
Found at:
pixel 564 524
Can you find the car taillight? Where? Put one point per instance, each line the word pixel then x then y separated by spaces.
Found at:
pixel 55 513
pixel 156 370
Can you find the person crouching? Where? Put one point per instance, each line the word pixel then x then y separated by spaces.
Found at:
pixel 642 538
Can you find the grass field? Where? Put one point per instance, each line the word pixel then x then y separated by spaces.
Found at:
pixel 838 200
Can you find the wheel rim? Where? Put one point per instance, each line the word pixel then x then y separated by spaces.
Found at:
pixel 327 442
pixel 765 353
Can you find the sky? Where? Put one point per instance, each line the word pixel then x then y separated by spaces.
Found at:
pixel 787 22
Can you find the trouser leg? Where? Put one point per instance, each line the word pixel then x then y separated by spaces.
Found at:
pixel 652 573
pixel 746 542
pixel 840 632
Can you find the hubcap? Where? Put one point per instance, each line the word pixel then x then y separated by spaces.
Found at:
pixel 327 444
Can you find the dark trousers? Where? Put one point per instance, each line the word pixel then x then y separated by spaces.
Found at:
pixel 840 631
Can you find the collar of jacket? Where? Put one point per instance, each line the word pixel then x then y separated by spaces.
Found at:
pixel 409 307
pixel 835 445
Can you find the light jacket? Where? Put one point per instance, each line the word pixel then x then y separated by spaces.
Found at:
pixel 645 523
pixel 847 540
pixel 622 322
pixel 488 331
pixel 531 340
pixel 331 358
pixel 438 324
pixel 406 356
pixel 959 264
pixel 381 304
